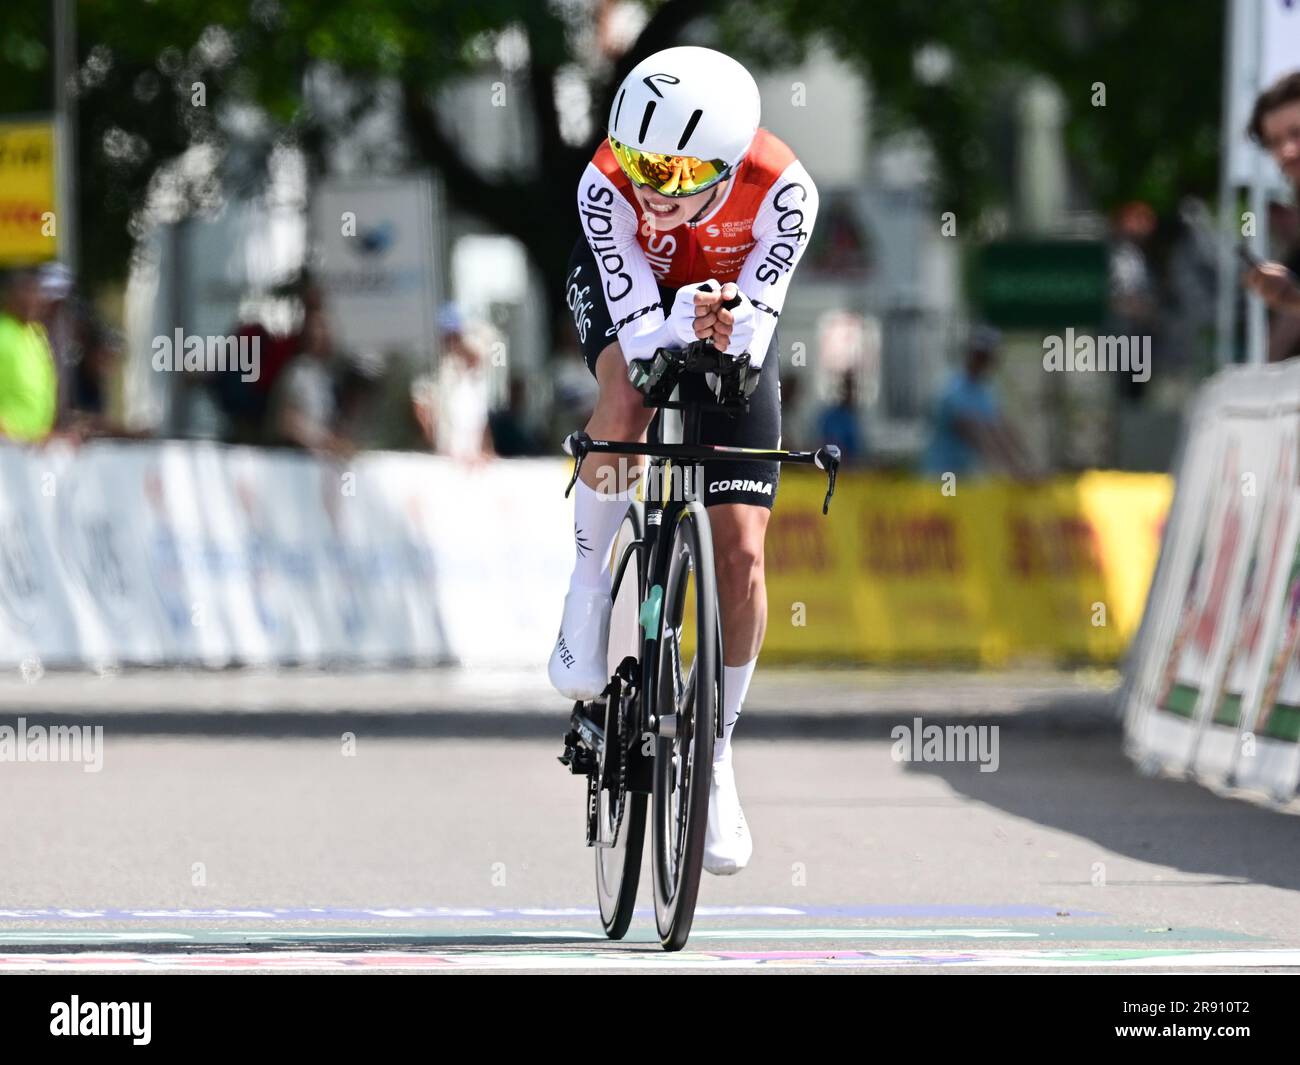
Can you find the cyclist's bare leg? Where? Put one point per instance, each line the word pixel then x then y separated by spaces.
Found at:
pixel 620 414
pixel 738 534
pixel 739 531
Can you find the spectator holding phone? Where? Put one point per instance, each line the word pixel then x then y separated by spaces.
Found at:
pixel 1275 126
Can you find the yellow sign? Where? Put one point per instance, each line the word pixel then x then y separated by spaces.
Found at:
pixel 28 232
pixel 900 572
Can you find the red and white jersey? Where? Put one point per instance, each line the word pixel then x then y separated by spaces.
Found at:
pixel 754 234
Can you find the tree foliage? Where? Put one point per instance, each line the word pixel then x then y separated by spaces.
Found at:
pixel 1158 63
pixel 1156 138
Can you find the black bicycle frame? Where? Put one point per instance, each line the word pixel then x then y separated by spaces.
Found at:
pixel 662 514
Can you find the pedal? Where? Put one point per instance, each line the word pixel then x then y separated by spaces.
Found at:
pixel 580 760
pixel 570 748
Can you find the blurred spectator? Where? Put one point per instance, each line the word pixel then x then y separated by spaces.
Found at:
pixel 59 316
pixel 245 403
pixel 1275 126
pixel 88 408
pixel 424 405
pixel 1134 300
pixel 1132 290
pixel 840 423
pixel 970 434
pixel 29 385
pixel 304 411
pixel 1192 276
pixel 452 406
pixel 573 398
pixel 357 392
pixel 86 352
pixel 67 320
pixel 282 350
pixel 511 435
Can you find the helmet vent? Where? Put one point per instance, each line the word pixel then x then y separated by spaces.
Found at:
pixel 645 120
pixel 690 128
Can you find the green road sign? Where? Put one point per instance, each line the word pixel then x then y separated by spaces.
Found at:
pixel 1027 284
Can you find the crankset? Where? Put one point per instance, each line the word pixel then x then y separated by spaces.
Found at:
pixel 596 746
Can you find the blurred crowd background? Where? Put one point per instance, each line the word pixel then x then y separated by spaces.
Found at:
pixel 378 197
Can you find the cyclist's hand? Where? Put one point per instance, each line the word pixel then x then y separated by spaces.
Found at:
pixel 706 310
pixel 694 312
pixel 734 328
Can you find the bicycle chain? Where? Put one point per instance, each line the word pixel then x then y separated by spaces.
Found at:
pixel 619 738
pixel 623 738
pixel 596 776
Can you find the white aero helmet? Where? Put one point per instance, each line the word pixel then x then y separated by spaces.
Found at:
pixel 682 119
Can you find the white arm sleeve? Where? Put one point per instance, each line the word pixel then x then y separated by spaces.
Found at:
pixel 782 227
pixel 609 223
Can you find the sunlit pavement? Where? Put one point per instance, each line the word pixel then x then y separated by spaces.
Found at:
pixel 420 822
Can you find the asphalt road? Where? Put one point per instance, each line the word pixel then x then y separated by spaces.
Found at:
pixel 420 822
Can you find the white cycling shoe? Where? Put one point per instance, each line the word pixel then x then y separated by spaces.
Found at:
pixel 727 842
pixel 579 668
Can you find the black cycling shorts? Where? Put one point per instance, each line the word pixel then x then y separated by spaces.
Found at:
pixel 723 480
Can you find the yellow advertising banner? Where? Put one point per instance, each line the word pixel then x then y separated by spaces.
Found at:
pixel 901 572
pixel 27 193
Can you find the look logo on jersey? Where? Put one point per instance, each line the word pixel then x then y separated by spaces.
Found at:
pixel 729 237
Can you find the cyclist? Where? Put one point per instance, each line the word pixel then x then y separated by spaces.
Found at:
pixel 686 205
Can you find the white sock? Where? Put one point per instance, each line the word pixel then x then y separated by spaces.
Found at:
pixel 735 685
pixel 596 518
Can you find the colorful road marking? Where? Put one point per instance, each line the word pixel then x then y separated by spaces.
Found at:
pixel 478 936
pixel 646 960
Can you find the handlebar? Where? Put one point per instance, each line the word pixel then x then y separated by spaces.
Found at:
pixel 734 381
pixel 825 458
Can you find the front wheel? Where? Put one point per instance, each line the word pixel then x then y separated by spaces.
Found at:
pixel 689 680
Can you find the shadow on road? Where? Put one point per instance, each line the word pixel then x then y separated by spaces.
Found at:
pixel 1061 766
pixel 1073 777
pixel 1077 712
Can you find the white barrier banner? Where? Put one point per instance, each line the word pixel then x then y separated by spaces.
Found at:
pixel 193 553
pixel 1214 674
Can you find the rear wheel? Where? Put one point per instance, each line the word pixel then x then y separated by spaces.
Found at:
pixel 689 679
pixel 621 814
